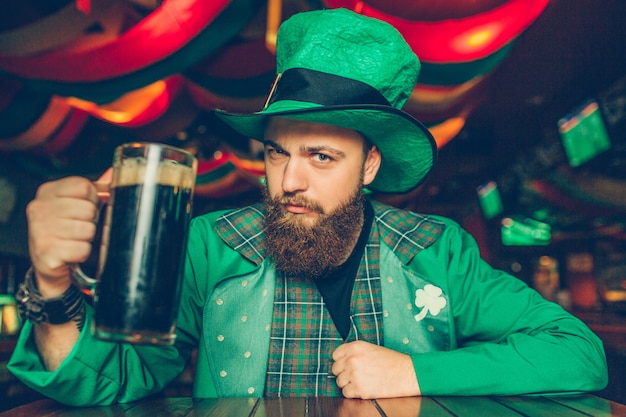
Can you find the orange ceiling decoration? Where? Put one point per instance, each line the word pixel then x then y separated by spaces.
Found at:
pixel 53 130
pixel 137 107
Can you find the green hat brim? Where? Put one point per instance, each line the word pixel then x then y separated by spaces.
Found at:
pixel 408 149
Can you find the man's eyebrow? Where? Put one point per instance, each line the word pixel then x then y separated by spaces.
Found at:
pixel 268 142
pixel 323 148
pixel 310 149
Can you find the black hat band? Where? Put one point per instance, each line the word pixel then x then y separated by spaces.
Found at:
pixel 301 84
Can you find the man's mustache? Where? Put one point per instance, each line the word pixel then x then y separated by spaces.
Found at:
pixel 298 200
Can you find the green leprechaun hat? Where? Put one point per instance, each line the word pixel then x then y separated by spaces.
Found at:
pixel 340 68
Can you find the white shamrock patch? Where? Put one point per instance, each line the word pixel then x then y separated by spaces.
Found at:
pixel 429 300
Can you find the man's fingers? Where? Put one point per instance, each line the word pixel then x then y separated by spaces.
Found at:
pixel 61 225
pixel 342 380
pixel 71 187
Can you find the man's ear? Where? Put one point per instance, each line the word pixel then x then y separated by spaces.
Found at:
pixel 371 165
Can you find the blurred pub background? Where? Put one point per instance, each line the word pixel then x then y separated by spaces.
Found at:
pixel 526 99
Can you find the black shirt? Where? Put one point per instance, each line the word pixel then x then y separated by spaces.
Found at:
pixel 336 287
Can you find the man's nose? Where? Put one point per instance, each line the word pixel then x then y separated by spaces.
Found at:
pixel 294 177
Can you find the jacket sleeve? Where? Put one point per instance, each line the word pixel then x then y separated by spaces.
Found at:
pixel 99 373
pixel 509 339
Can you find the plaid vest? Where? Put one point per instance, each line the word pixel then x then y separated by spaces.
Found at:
pixel 304 336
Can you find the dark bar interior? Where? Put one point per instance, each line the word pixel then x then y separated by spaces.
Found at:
pixel 530 129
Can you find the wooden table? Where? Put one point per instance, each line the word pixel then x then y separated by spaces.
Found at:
pixel 583 405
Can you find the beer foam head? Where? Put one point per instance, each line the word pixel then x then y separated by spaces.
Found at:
pixel 133 171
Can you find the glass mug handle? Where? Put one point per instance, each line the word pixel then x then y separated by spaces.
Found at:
pixel 84 281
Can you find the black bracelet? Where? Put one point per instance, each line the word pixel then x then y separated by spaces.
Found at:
pixel 57 310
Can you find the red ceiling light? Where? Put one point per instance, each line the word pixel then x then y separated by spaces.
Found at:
pixel 429 10
pixel 167 41
pixel 458 40
pixel 158 35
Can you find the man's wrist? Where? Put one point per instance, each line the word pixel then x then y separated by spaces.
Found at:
pixel 62 309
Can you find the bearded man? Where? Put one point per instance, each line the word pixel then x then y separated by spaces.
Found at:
pixel 317 290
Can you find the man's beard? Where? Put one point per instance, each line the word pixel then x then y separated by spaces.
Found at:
pixel 311 251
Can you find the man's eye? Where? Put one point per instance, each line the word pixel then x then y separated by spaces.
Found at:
pixel 320 157
pixel 273 152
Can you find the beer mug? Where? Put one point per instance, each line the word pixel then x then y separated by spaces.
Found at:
pixel 144 239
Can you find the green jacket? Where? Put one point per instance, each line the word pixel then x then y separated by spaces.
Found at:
pixel 470 329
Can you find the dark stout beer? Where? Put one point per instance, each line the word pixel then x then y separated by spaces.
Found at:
pixel 138 291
